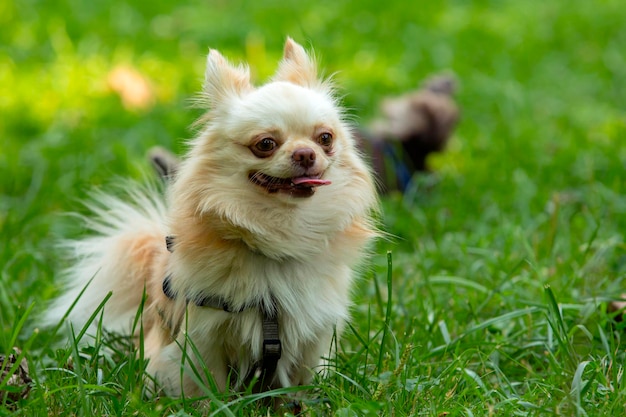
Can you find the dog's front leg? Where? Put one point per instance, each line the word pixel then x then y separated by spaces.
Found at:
pixel 298 366
pixel 179 373
pixel 205 361
pixel 196 359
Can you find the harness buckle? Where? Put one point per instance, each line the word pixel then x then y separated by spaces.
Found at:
pixel 272 349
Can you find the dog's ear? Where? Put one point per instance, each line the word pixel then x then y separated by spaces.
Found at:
pixel 297 66
pixel 223 80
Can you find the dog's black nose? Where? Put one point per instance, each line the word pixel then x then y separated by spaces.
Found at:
pixel 305 157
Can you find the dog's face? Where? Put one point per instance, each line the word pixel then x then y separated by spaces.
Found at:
pixel 284 139
pixel 277 163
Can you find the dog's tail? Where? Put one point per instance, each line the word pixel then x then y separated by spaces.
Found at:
pixel 126 248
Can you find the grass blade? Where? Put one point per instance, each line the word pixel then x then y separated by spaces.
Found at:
pixel 387 313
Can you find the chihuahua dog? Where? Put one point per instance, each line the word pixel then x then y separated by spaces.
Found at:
pixel 268 215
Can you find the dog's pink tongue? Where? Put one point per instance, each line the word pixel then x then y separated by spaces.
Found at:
pixel 309 182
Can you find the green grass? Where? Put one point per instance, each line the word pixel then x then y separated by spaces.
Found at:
pixel 504 259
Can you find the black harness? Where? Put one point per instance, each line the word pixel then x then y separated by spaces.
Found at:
pixel 272 347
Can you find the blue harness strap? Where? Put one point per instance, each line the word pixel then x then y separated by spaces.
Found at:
pixel 401 170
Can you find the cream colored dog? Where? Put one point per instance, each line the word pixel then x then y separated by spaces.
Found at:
pixel 267 216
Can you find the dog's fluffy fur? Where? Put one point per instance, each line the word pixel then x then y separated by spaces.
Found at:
pixel 271 207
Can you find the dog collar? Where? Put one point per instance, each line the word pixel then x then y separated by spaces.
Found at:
pixel 272 346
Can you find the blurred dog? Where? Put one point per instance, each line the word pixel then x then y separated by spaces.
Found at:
pixel 266 217
pixel 410 128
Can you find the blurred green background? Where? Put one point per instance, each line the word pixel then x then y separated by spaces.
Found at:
pixel 542 89
pixel 531 191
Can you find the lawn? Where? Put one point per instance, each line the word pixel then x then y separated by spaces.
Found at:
pixel 490 298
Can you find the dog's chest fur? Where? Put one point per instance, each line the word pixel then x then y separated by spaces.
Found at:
pixel 308 295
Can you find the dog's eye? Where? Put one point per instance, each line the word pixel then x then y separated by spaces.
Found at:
pixel 264 147
pixel 325 140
